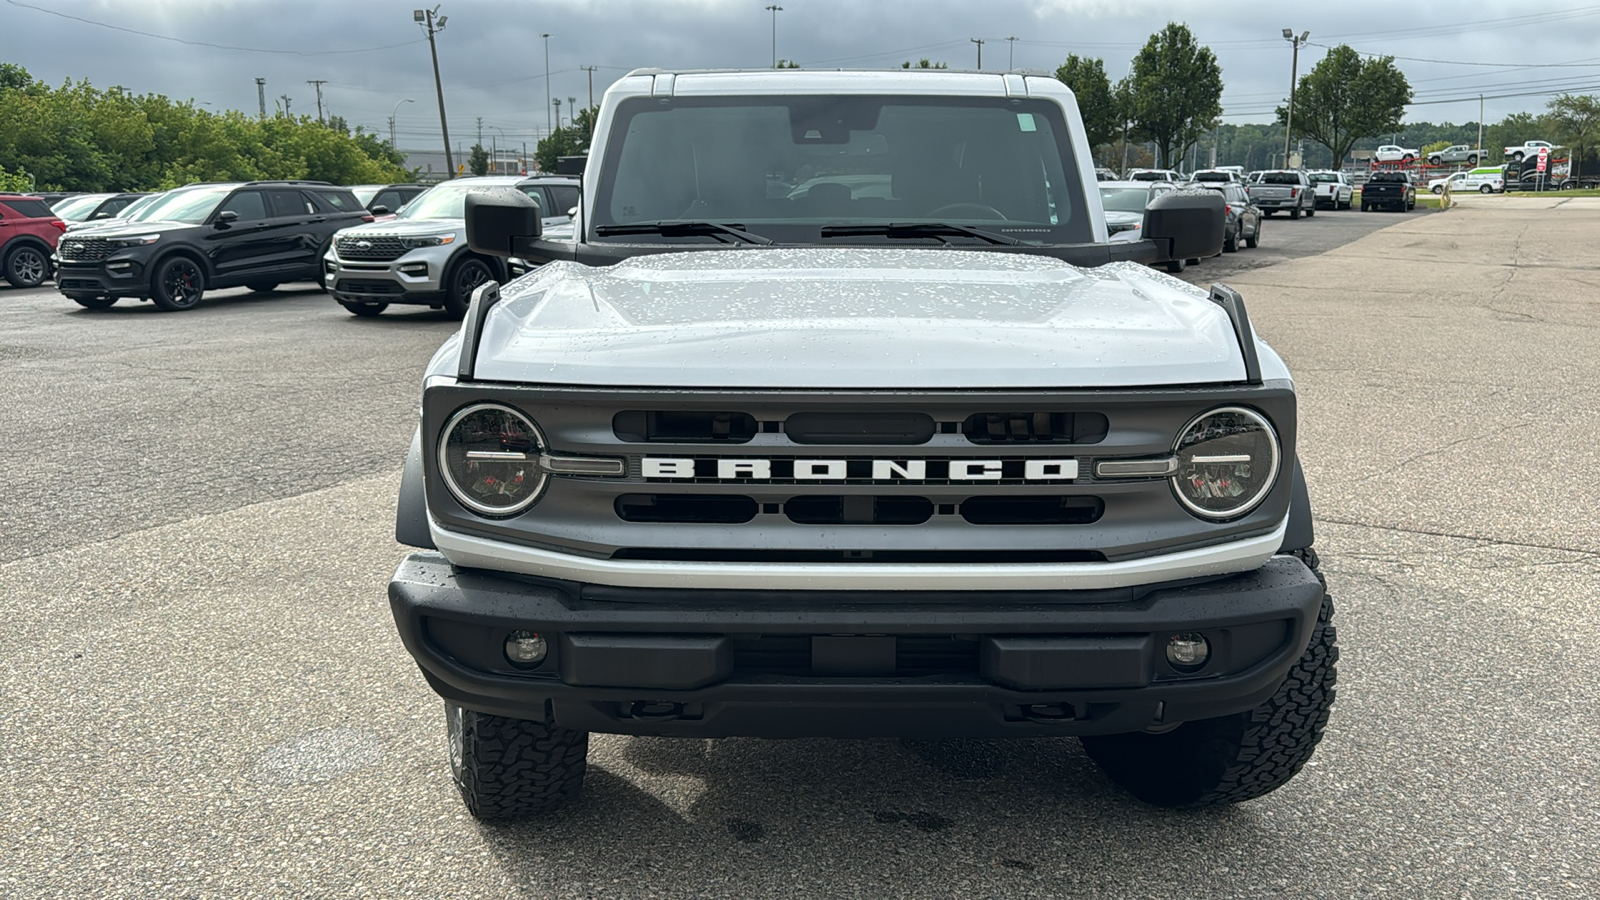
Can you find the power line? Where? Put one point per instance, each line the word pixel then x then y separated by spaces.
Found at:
pixel 164 37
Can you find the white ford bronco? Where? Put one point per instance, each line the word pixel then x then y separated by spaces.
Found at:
pixel 838 415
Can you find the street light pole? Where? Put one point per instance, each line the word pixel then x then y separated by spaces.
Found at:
pixel 1294 76
pixel 774 9
pixel 979 42
pixel 1011 53
pixel 392 114
pixel 546 37
pixel 427 19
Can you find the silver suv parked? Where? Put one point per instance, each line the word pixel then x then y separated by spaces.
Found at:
pixel 421 256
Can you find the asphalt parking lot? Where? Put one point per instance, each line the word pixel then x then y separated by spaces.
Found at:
pixel 205 695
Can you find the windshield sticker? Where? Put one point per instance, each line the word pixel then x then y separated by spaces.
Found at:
pixel 1025 122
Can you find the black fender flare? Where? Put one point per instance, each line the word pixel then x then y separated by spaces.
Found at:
pixel 1300 533
pixel 411 513
pixel 29 241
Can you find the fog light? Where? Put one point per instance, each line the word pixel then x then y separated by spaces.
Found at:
pixel 527 648
pixel 1187 650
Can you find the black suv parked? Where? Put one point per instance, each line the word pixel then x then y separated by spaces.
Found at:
pixel 389 196
pixel 257 234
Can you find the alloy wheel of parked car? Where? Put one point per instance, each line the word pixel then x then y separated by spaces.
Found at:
pixel 1485 189
pixel 178 285
pixel 468 274
pixel 26 267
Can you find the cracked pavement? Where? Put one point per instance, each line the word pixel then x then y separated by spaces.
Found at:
pixel 205 697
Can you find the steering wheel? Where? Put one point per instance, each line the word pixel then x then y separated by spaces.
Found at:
pixel 958 208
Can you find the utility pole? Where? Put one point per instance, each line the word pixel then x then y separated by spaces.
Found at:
pixel 1480 128
pixel 285 99
pixel 1294 76
pixel 775 9
pixel 557 104
pixel 1011 54
pixel 318 83
pixel 979 42
pixel 261 97
pixel 480 131
pixel 433 23
pixel 590 70
pixel 547 125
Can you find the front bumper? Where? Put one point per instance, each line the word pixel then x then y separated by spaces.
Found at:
pixel 118 275
pixel 416 277
pixel 700 663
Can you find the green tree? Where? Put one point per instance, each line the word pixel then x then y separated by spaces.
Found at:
pixel 1575 121
pixel 787 64
pixel 478 160
pixel 1345 98
pixel 1174 93
pixel 924 63
pixel 1102 120
pixel 561 142
pixel 15 181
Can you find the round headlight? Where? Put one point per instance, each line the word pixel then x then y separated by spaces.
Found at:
pixel 1227 462
pixel 489 456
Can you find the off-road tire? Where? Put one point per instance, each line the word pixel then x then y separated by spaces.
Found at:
pixel 461 281
pixel 1232 758
pixel 90 301
pixel 26 266
pixel 178 284
pixel 512 768
pixel 365 310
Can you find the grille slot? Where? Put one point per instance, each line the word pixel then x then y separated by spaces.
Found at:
pixel 83 249
pixel 859 428
pixel 1036 427
pixel 378 248
pixel 641 426
pixel 858 510
pixel 690 554
pixel 1047 510
pixel 790 654
pixel 369 287
pixel 719 509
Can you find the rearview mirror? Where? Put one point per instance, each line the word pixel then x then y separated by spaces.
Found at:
pixel 502 222
pixel 1186 224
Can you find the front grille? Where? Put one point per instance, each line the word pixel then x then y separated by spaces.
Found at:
pixel 1036 427
pixel 371 247
pixel 722 509
pixel 914 655
pixel 84 249
pixel 641 426
pixel 369 287
pixel 79 284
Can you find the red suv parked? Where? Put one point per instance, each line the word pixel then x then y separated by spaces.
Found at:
pixel 28 235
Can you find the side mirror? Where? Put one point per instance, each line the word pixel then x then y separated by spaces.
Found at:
pixel 503 222
pixel 101 215
pixel 1186 224
pixel 226 218
pixel 379 210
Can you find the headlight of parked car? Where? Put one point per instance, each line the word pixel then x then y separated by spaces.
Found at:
pixel 427 240
pixel 489 456
pixel 1228 460
pixel 136 240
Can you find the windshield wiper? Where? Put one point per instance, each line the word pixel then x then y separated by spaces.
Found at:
pixel 918 230
pixel 684 228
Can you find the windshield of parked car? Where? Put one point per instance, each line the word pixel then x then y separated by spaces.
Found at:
pixel 136 211
pixel 1125 199
pixel 76 209
pixel 784 167
pixel 1280 178
pixel 449 201
pixel 191 207
pixel 365 192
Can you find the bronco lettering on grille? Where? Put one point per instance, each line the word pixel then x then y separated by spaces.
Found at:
pixel 745 468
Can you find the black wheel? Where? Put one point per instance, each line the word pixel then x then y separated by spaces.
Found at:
pixel 1174 266
pixel 261 287
pixel 1407 158
pixel 1485 189
pixel 513 768
pixel 1434 160
pixel 1472 160
pixel 1294 213
pixel 365 310
pixel 26 266
pixel 90 301
pixel 1230 244
pixel 178 284
pixel 1232 758
pixel 1364 206
pixel 464 278
pixel 322 265
pixel 1311 211
pixel 1255 237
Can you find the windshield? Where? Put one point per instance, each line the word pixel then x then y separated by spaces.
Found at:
pixel 449 201
pixel 134 212
pixel 76 209
pixel 784 167
pixel 365 192
pixel 190 207
pixel 1125 199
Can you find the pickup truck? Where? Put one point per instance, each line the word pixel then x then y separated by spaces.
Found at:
pixel 936 459
pixel 1283 190
pixel 1528 148
pixel 1394 153
pixel 1392 190
pixel 1460 153
pixel 1333 189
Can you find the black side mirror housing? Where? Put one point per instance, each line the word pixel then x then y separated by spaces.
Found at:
pixel 379 210
pixel 502 222
pixel 226 218
pixel 1186 224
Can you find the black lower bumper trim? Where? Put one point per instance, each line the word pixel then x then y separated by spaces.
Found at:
pixel 777 667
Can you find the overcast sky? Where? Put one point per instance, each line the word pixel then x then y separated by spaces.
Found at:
pixel 492 56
